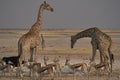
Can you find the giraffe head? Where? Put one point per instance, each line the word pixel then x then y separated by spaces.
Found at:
pixel 46 6
pixel 73 40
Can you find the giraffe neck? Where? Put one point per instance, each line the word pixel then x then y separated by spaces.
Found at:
pixel 40 15
pixel 36 27
pixel 86 33
pixel 82 35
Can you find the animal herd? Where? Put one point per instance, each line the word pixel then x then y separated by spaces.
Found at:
pixel 31 42
pixel 53 69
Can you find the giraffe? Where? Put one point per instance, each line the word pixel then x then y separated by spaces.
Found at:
pixel 99 40
pixel 31 40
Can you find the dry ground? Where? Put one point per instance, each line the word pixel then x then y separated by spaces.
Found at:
pixel 58 44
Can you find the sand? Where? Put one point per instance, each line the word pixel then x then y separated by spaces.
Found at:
pixel 58 45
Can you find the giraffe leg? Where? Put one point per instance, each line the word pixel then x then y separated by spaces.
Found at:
pixel 105 57
pixel 107 61
pixel 31 54
pixel 94 53
pixel 20 64
pixel 101 57
pixel 36 51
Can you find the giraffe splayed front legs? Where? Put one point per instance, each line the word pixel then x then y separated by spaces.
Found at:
pixel 99 40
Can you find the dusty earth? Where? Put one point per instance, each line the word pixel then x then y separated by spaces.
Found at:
pixel 58 45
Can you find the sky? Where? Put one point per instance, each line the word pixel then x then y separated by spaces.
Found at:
pixel 22 14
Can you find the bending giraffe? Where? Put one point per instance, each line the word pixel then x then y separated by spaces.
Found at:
pixel 31 40
pixel 100 41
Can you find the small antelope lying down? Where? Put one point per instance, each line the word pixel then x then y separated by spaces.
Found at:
pixel 14 62
pixel 105 66
pixel 28 67
pixel 34 69
pixel 38 69
pixel 5 68
pixel 70 68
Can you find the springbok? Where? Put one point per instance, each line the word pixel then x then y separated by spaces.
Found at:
pixel 74 67
pixel 56 66
pixel 98 67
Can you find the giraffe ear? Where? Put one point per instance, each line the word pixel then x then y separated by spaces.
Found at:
pixel 44 2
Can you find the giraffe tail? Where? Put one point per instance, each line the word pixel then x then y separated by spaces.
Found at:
pixel 111 55
pixel 19 49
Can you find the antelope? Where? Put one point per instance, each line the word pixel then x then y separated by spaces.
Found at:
pixel 38 69
pixel 5 68
pixel 57 66
pixel 83 66
pixel 98 67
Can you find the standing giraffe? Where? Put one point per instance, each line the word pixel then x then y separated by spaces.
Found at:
pixel 100 41
pixel 31 40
